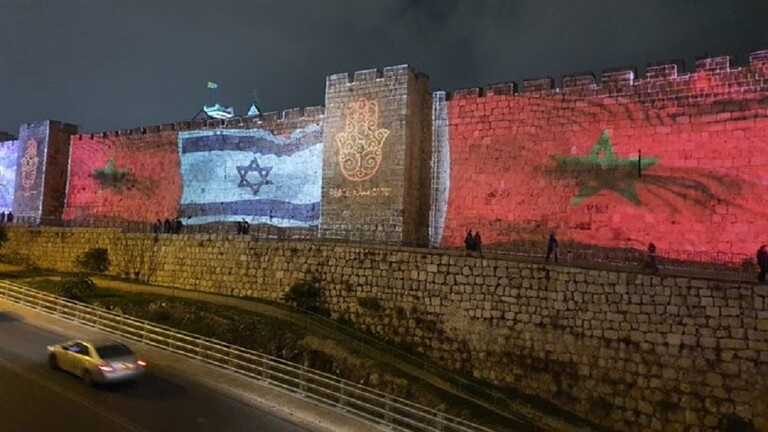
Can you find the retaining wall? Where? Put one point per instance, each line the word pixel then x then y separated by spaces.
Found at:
pixel 629 351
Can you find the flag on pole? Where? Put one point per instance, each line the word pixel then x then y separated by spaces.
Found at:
pixel 212 85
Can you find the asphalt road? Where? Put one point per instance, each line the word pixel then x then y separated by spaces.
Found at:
pixel 34 398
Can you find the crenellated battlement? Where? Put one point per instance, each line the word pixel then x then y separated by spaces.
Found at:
pixel 7 136
pixel 664 69
pixel 52 124
pixel 268 119
pixel 625 81
pixel 367 75
pixel 582 80
pixel 539 85
pixel 506 88
pixel 714 64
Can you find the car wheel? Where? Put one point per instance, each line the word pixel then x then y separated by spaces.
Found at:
pixel 53 362
pixel 88 378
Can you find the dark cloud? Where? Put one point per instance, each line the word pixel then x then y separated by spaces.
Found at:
pixel 117 64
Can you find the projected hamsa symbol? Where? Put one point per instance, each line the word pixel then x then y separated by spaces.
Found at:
pixel 362 140
pixel 29 164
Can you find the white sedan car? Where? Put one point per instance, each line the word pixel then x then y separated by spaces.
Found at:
pixel 101 361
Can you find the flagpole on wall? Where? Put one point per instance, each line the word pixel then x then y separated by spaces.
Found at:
pixel 211 87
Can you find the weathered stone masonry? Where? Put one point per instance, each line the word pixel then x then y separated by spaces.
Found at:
pixel 632 352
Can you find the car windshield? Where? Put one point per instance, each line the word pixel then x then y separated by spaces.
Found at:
pixel 113 351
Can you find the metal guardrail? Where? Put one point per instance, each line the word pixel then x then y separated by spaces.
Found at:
pixel 368 404
pixel 477 393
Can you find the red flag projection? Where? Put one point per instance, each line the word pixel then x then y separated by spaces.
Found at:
pixel 525 165
pixel 124 177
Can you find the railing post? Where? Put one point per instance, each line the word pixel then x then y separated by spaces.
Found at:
pixel 440 422
pixel 264 371
pixel 342 398
pixel 303 379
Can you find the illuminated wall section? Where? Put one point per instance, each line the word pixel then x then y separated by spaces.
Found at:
pixel 524 165
pixel 129 175
pixel 9 153
pixel 376 161
pixel 41 169
pixel 33 142
pixel 56 169
pixel 258 175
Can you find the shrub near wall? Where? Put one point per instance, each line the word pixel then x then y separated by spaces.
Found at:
pixel 631 352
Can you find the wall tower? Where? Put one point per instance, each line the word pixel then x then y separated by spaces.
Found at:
pixel 42 169
pixel 376 184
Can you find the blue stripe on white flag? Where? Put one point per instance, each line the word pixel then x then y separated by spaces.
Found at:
pixel 260 209
pixel 257 141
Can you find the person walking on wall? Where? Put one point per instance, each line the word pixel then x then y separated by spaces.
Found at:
pixel 469 241
pixel 177 225
pixel 762 263
pixel 552 247
pixel 650 259
pixel 478 243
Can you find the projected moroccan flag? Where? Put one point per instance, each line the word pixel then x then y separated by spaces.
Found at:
pixel 234 174
pixel 609 172
pixel 124 177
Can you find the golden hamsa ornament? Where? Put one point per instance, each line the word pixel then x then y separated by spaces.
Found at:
pixel 29 164
pixel 362 140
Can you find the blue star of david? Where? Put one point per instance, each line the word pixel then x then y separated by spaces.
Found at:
pixel 254 166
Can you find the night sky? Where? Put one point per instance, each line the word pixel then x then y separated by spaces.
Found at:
pixel 109 64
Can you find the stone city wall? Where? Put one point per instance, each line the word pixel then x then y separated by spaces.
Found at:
pixel 674 158
pixel 629 351
pixel 138 174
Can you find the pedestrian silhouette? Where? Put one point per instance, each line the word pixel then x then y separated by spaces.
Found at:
pixel 650 259
pixel 478 242
pixel 762 263
pixel 469 241
pixel 552 247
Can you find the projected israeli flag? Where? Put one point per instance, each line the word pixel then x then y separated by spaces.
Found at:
pixel 235 174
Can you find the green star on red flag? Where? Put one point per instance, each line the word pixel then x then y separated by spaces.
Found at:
pixel 110 177
pixel 601 169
